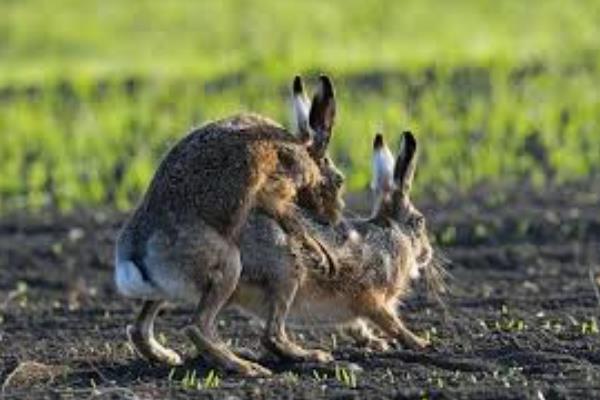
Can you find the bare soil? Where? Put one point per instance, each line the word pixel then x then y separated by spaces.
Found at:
pixel 520 321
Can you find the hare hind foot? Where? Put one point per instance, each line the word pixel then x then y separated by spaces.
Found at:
pixel 288 350
pixel 150 349
pixel 222 356
pixel 141 336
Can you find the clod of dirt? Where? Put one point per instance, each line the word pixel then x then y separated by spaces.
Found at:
pixel 30 373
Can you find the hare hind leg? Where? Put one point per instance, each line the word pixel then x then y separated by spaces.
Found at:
pixel 141 336
pixel 275 338
pixel 202 331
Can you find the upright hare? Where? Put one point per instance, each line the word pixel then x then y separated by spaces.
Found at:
pixel 376 262
pixel 181 243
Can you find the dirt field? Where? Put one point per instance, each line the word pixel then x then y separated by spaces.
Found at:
pixel 521 320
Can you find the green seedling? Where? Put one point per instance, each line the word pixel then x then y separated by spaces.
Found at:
pixel 319 377
pixel 590 327
pixel 191 381
pixel 345 376
pixel 290 378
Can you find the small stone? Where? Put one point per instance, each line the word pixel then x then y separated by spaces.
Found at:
pixel 75 234
pixel 354 367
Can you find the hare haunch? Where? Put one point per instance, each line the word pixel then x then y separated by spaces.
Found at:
pixel 376 263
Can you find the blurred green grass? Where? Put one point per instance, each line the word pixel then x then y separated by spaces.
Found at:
pixel 44 39
pixel 93 93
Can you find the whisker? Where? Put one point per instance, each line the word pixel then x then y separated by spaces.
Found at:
pixel 437 277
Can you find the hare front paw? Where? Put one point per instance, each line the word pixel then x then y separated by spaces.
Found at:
pixel 252 369
pixel 378 344
pixel 319 356
pixel 418 343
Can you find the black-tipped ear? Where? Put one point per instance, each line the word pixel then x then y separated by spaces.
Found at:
pixel 378 141
pixel 297 86
pixel 322 114
pixel 406 162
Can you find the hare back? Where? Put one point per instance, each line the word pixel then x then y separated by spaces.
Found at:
pixel 377 260
pixel 218 172
pixel 372 260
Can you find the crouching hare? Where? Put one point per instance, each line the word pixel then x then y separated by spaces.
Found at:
pixel 182 241
pixel 376 262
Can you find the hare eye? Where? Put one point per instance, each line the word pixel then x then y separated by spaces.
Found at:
pixel 419 222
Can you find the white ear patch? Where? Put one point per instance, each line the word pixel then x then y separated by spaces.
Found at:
pixel 383 170
pixel 301 109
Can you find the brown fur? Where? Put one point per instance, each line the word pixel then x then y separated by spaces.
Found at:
pixel 181 243
pixel 279 280
pixel 219 172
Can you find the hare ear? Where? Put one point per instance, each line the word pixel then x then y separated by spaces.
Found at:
pixel 301 108
pixel 406 162
pixel 322 115
pixel 383 166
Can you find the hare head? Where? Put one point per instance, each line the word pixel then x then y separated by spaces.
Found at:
pixel 314 125
pixel 392 183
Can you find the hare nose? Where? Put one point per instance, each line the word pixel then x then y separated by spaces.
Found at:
pixel 338 179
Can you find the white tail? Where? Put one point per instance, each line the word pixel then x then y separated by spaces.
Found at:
pixel 130 281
